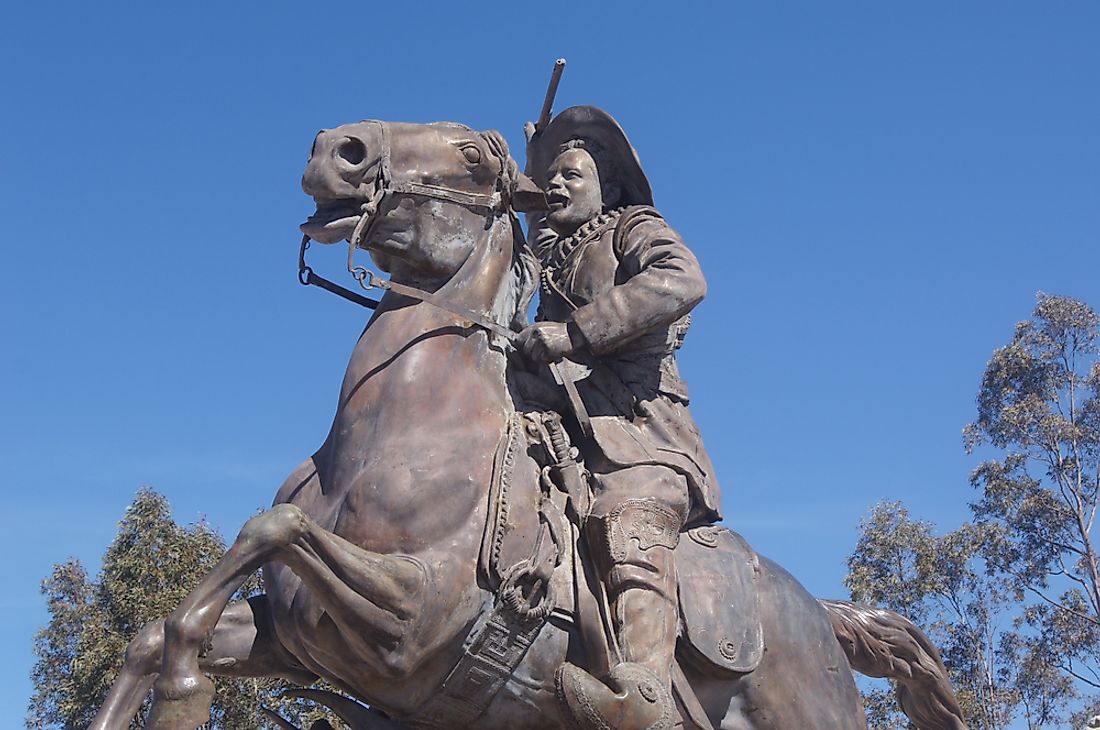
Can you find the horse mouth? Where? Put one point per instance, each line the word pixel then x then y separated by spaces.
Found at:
pixel 334 220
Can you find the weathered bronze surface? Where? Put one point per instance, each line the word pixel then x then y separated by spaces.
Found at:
pixel 461 551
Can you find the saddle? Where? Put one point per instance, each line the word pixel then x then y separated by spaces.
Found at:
pixel 717 570
pixel 528 560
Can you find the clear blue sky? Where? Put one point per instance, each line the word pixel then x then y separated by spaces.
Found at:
pixel 876 191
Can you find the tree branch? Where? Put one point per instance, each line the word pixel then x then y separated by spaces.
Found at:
pixel 1069 670
pixel 1055 604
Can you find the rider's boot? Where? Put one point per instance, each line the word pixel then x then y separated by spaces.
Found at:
pixel 641 580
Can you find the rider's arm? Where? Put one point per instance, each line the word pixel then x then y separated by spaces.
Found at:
pixel 664 282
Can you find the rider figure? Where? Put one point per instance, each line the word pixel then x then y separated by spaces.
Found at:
pixel 616 291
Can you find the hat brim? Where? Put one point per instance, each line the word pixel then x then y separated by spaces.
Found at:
pixel 591 123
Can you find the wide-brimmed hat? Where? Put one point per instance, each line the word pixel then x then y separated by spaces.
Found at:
pixel 594 124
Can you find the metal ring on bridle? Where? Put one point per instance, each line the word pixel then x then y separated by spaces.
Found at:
pixel 304 270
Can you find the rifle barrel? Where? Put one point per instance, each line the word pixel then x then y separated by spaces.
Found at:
pixel 551 92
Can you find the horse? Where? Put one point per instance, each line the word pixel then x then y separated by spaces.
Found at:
pixel 374 552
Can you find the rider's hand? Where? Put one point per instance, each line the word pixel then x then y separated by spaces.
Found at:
pixel 548 341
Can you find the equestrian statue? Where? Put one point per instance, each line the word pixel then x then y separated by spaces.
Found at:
pixel 513 525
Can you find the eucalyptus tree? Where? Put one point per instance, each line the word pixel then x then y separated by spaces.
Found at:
pixel 148 568
pixel 1012 596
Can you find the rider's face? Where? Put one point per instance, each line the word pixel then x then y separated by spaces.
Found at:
pixel 572 191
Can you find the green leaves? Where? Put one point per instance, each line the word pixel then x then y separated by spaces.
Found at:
pixel 1013 597
pixel 150 566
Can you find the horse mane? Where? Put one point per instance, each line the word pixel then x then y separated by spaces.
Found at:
pixel 523 282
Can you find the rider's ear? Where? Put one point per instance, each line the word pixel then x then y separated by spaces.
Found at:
pixel 528 197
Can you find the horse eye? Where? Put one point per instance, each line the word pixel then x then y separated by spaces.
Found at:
pixel 472 154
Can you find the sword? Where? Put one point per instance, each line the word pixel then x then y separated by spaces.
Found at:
pixel 567 376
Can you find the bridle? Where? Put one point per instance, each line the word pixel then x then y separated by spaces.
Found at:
pixel 492 203
pixel 386 188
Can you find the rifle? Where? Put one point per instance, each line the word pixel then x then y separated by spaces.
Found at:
pixel 529 129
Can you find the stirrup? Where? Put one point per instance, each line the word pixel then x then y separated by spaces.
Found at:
pixel 632 699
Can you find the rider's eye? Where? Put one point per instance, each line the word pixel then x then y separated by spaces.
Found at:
pixel 352 150
pixel 472 154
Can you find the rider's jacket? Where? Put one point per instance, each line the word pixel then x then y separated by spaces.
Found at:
pixel 628 282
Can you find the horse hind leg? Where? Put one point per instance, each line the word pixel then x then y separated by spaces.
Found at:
pixel 243 645
pixel 182 694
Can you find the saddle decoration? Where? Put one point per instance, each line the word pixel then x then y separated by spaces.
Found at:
pixel 520 522
pixel 721 625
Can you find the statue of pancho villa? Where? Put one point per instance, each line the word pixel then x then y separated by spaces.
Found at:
pixel 389 574
pixel 617 286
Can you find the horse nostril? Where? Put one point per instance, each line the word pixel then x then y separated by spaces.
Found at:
pixel 352 150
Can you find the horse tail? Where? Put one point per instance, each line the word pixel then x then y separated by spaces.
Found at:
pixel 885 644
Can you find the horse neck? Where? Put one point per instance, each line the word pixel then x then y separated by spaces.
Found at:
pixel 482 284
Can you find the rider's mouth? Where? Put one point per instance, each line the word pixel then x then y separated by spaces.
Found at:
pixel 333 221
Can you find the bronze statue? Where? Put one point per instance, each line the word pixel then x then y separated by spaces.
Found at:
pixel 427 561
pixel 617 288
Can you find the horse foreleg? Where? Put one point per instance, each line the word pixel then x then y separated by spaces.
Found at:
pixel 363 585
pixel 243 645
pixel 371 598
pixel 135 678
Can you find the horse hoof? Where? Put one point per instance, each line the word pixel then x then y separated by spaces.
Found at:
pixel 632 699
pixel 181 704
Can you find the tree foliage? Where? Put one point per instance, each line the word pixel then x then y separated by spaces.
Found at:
pixel 937 580
pixel 1039 405
pixel 1013 596
pixel 150 566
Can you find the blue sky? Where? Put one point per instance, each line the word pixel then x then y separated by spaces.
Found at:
pixel 876 192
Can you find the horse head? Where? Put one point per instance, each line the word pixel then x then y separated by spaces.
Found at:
pixel 428 201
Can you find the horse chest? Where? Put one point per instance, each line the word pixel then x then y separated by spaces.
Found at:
pixel 409 456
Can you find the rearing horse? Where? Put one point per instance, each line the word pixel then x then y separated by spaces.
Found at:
pixel 372 553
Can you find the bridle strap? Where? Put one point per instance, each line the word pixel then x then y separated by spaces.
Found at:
pixel 490 203
pixel 437 301
pixel 385 187
pixel 369 280
pixel 308 277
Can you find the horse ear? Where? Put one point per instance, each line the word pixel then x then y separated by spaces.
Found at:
pixel 528 197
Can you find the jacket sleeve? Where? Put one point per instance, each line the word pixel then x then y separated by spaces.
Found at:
pixel 660 282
